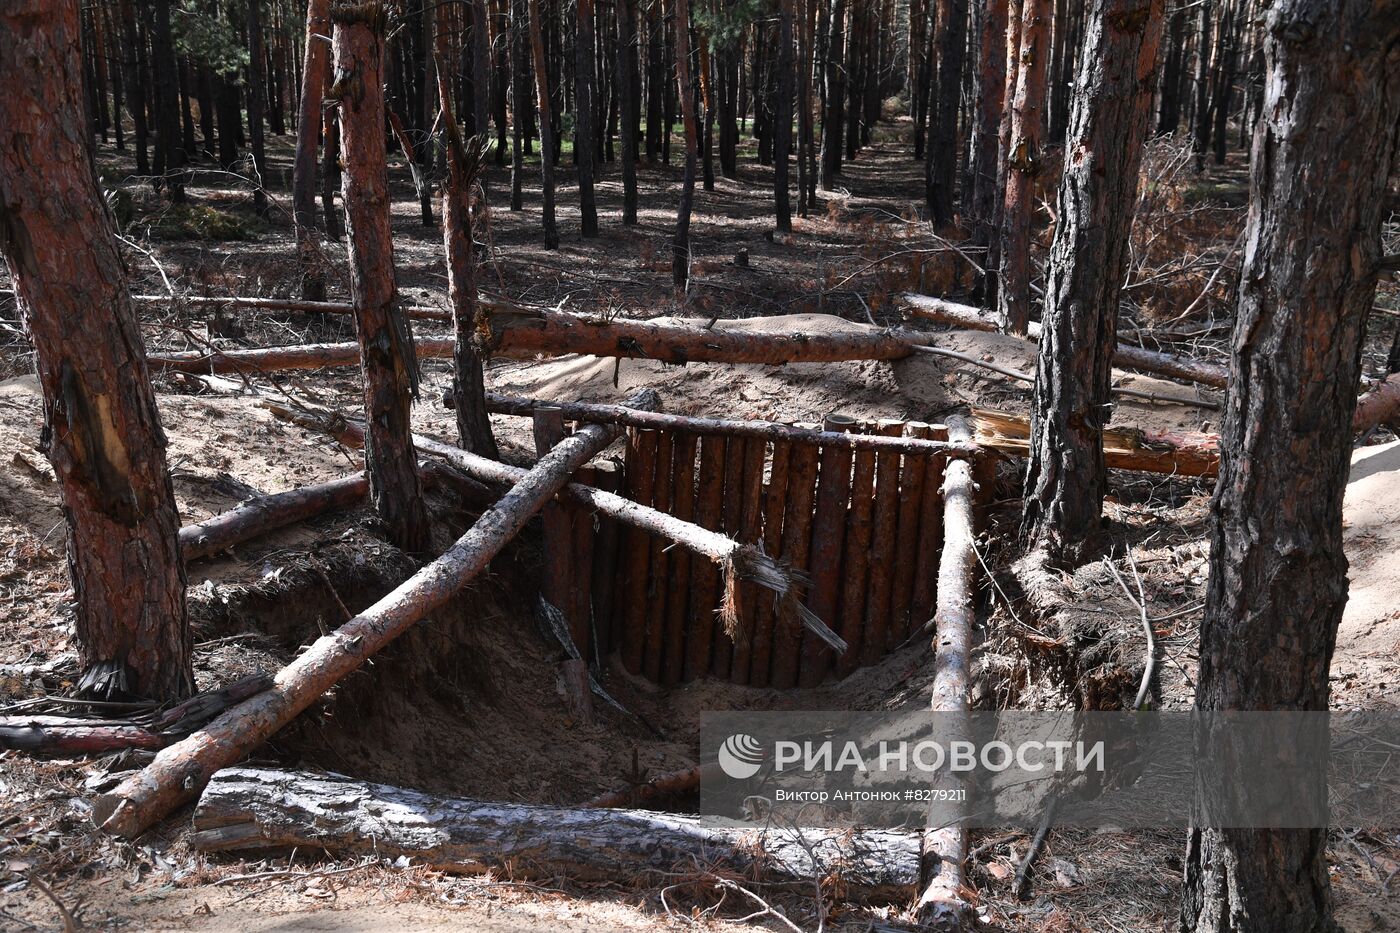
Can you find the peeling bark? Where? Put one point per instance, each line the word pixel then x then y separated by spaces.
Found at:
pixel 101 428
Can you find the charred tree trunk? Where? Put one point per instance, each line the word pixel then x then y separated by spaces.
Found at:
pixel 255 104
pixel 313 281
pixel 1169 106
pixel 989 94
pixel 782 142
pixel 1277 569
pixel 546 120
pixel 520 99
pixel 170 152
pixel 628 98
pixel 585 108
pixel 466 162
pixel 1200 140
pixel 680 244
pixel 1088 260
pixel 101 428
pixel 387 359
pixel 136 85
pixel 834 117
pixel 941 165
pixel 1023 163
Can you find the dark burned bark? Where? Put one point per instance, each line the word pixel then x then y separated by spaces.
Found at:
pixel 1325 141
pixel 551 231
pixel 1024 129
pixel 629 98
pixel 782 139
pixel 466 163
pixel 989 80
pixel 1079 334
pixel 941 167
pixel 101 427
pixel 256 100
pixel 680 243
pixel 586 95
pixel 313 281
pixel 387 359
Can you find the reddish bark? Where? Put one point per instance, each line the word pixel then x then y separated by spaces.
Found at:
pixel 640 476
pixel 1023 163
pixel 387 358
pixel 101 427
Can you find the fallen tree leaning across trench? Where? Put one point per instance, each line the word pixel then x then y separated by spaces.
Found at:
pixel 252 809
pixel 736 561
pixel 1127 356
pixel 178 772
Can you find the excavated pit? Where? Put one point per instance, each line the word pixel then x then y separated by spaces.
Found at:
pixel 470 702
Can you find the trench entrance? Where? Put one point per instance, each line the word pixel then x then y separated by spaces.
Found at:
pixel 474 700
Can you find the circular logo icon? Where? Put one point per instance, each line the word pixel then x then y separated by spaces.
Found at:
pixel 740 756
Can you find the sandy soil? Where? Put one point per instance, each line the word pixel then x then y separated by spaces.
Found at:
pixel 489 719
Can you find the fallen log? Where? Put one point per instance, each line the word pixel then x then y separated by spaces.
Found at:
pixel 1123 448
pixel 942 904
pixel 523 333
pixel 661 787
pixel 736 561
pixel 512 332
pixel 661 421
pixel 65 735
pixel 181 770
pixel 1126 356
pixel 259 809
pixel 1379 406
pixel 268 513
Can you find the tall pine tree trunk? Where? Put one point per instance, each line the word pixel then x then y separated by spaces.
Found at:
pixel 387 359
pixel 680 244
pixel 834 118
pixel 544 108
pixel 313 280
pixel 101 428
pixel 990 76
pixel 628 89
pixel 1324 145
pixel 782 142
pixel 1088 259
pixel 586 94
pixel 1023 162
pixel 255 104
pixel 941 165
